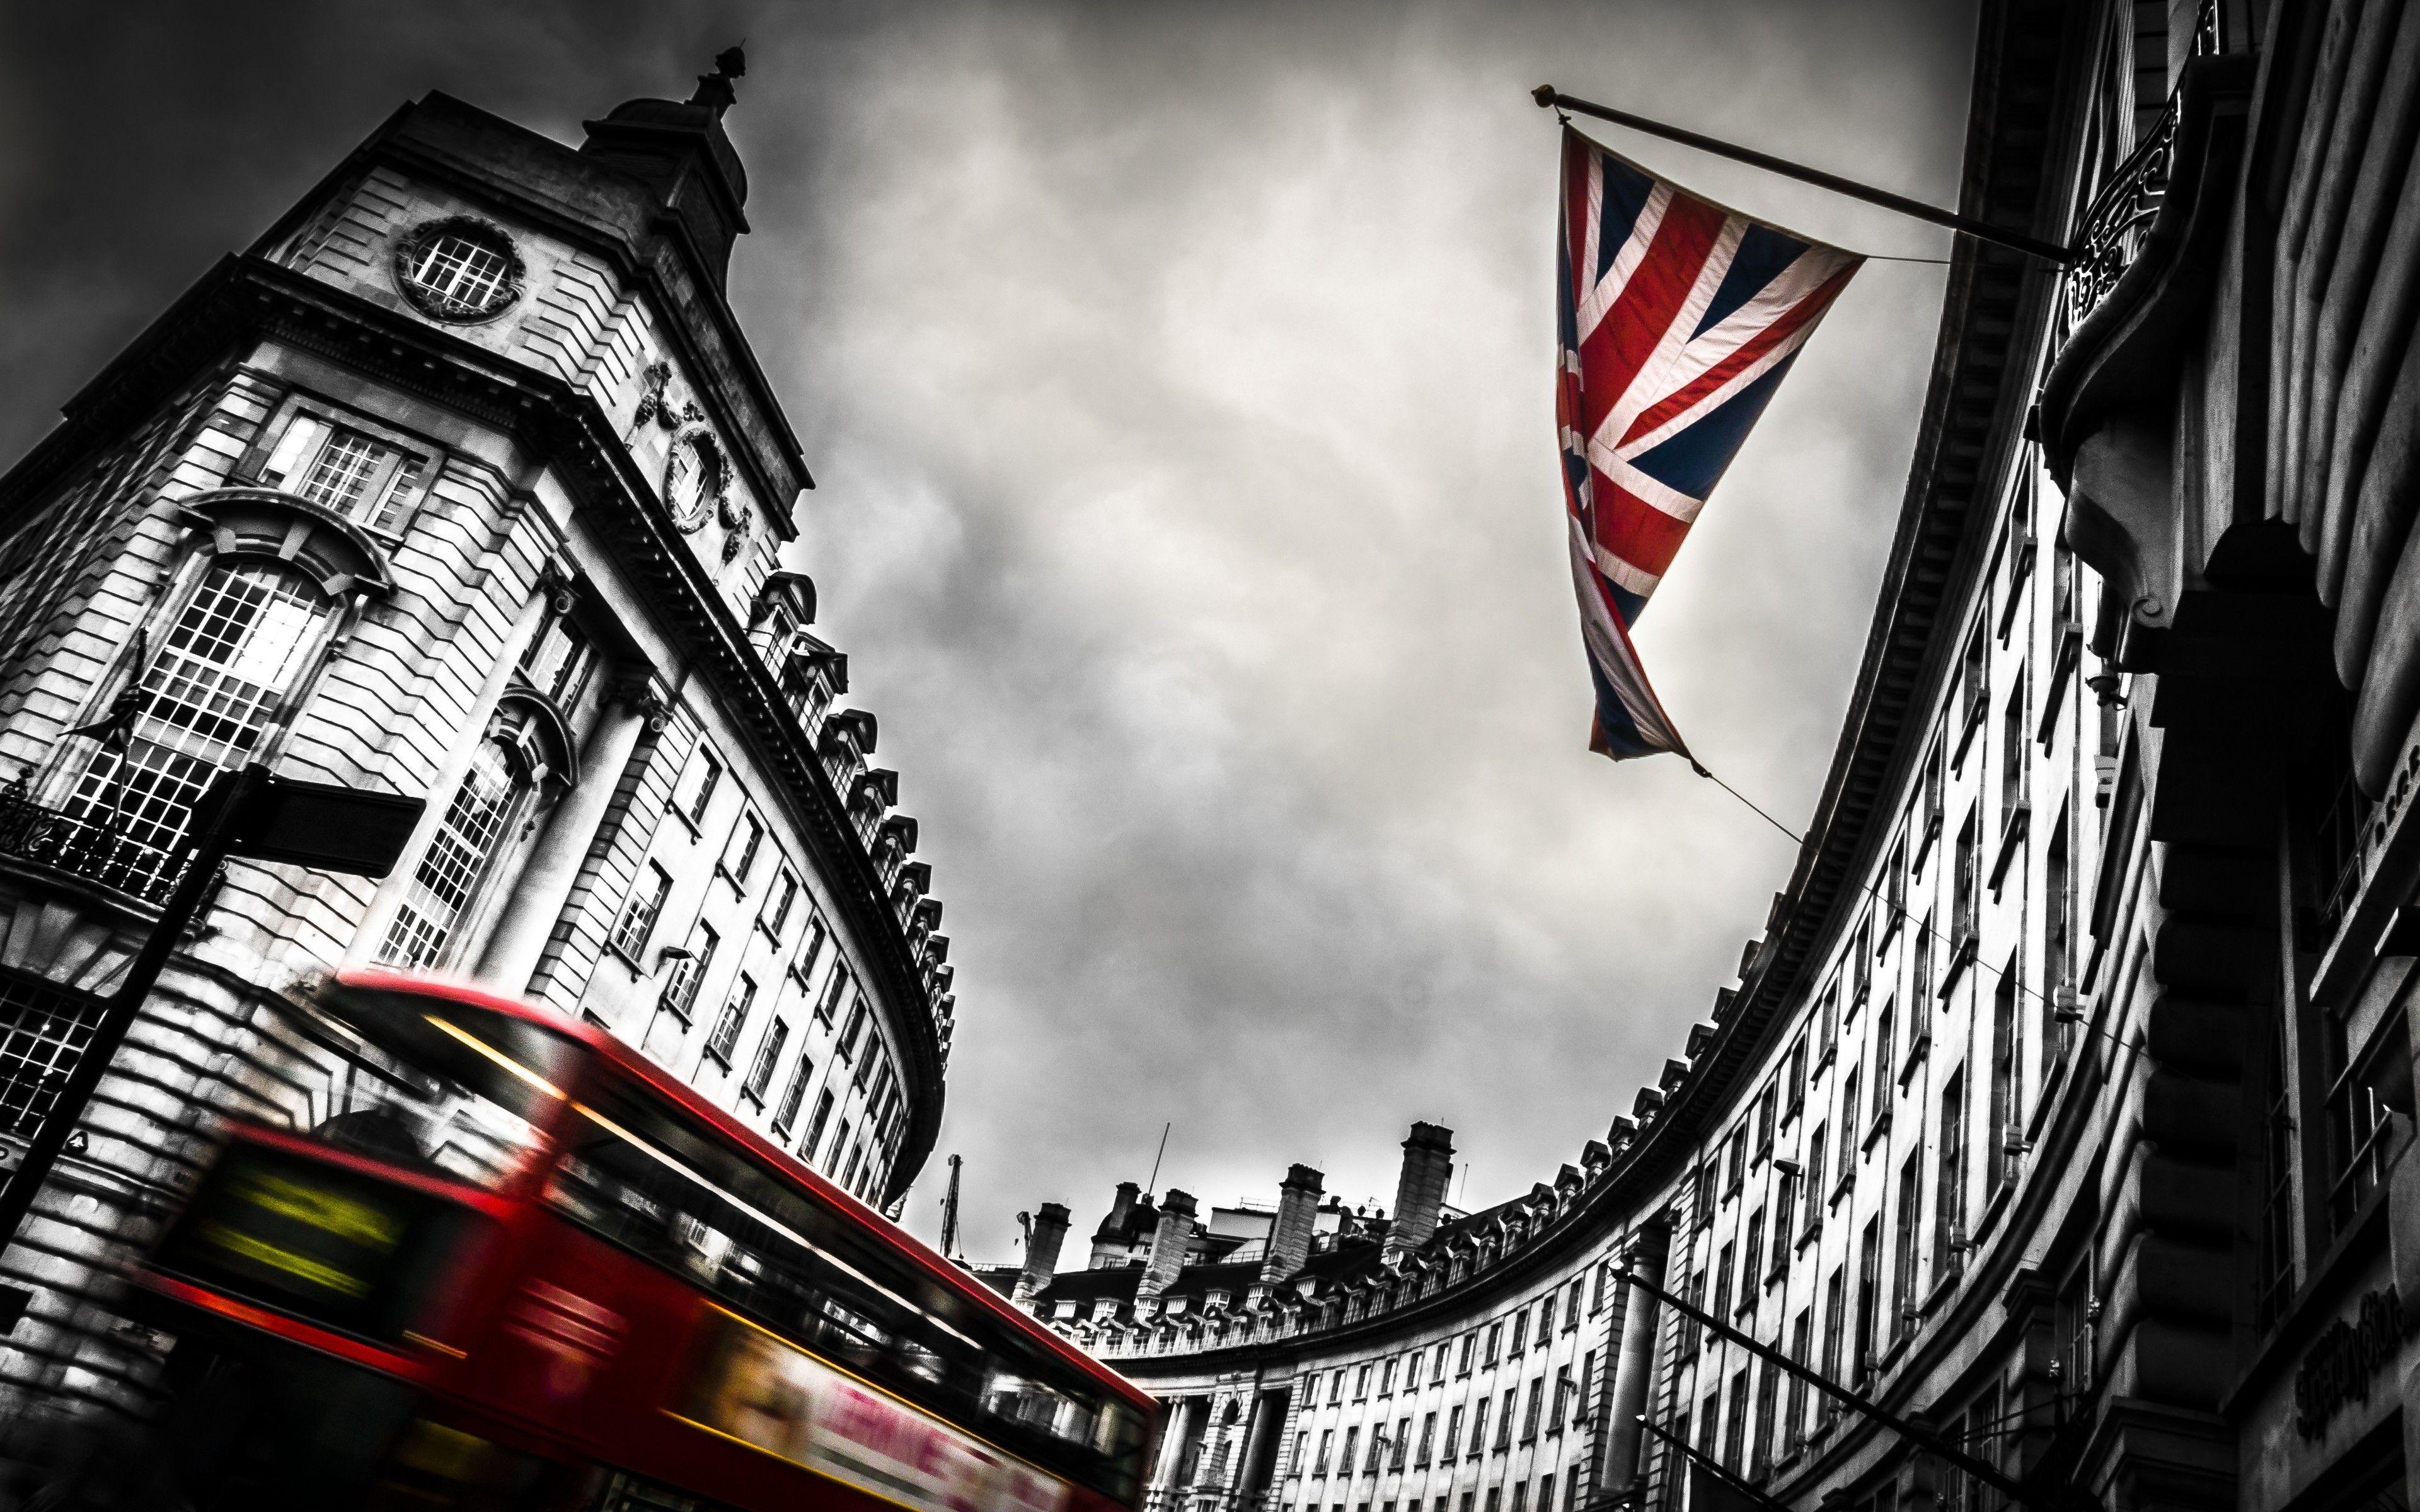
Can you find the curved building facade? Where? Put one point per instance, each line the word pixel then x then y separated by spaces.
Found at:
pixel 2052 1147
pixel 461 481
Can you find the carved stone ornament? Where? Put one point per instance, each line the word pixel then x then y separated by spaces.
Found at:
pixel 735 539
pixel 696 477
pixel 460 270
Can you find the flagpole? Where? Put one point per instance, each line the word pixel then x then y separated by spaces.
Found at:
pixel 1549 97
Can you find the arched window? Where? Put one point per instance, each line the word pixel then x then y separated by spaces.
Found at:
pixel 207 694
pixel 483 812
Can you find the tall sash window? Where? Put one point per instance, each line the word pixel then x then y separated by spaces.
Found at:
pixel 213 684
pixel 483 810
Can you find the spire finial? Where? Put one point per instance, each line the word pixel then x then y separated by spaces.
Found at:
pixel 714 89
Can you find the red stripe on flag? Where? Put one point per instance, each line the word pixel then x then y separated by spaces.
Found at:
pixel 1612 354
pixel 1634 530
pixel 1805 313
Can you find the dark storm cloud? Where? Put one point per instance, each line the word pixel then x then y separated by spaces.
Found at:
pixel 1176 382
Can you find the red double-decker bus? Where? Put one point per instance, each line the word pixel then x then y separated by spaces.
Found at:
pixel 515 1265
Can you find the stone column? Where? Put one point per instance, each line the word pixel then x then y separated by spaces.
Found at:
pixel 1636 1364
pixel 520 942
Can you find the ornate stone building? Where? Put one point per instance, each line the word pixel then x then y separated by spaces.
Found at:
pixel 463 482
pixel 2062 1109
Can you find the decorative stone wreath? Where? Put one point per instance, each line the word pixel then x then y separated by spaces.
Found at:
pixel 697 480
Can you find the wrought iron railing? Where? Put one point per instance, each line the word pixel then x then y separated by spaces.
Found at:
pixel 82 845
pixel 2114 227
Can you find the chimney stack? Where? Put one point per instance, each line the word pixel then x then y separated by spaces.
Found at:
pixel 1041 1252
pixel 1297 1215
pixel 1169 1242
pixel 1428 1168
pixel 1109 1241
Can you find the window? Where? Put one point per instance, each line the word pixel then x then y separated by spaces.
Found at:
pixel 560 657
pixel 1764 1106
pixel 1463 1359
pixel 1403 1444
pixel 1949 1192
pixel 724 1037
pixel 1965 895
pixel 1794 1421
pixel 792 1095
pixel 2274 1281
pixel 1572 1305
pixel 1903 1252
pixel 1428 1439
pixel 1818 1147
pixel 1761 1444
pixel 1798 1079
pixel 2058 926
pixel 785 895
pixel 697 785
pixel 1752 1266
pixel 2000 1130
pixel 2012 750
pixel 1377 1446
pixel 1868 1296
pixel 768 1055
pixel 2369 1099
pixel 1520 1496
pixel 233 653
pixel 1504 1419
pixel 1327 1441
pixel 836 986
pixel 1587 1384
pixel 1335 1388
pixel 459 269
pixel 855 1026
pixel 339 477
pixel 739 855
pixel 1529 1414
pixel 1453 1433
pixel 1545 1316
pixel 1571 1489
pixel 679 994
pixel 480 814
pixel 1478 1426
pixel 1722 1307
pixel 1562 1401
pixel 1735 1438
pixel 1735 1161
pixel 1520 1330
pixel 1387 1378
pixel 1836 1310
pixel 1919 972
pixel 641 910
pixel 1495 1343
pixel 1361 1383
pixel 1886 1047
pixel 823 1115
pixel 1675 1468
pixel 1344 1461
pixel 1850 1110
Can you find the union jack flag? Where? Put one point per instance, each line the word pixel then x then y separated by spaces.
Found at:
pixel 1678 318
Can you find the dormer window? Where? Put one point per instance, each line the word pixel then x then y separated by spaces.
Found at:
pixel 459 269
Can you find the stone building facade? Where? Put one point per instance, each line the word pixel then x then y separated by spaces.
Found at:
pixel 463 482
pixel 2062 1108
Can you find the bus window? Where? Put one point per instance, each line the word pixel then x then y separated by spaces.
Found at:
pixel 468 1094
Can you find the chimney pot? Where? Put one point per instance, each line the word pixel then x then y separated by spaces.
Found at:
pixel 1297 1216
pixel 1041 1252
pixel 1170 1243
pixel 1420 1195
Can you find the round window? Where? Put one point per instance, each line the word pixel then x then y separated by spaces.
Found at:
pixel 693 481
pixel 459 269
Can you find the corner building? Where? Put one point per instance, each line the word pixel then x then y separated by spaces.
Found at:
pixel 2063 1107
pixel 461 481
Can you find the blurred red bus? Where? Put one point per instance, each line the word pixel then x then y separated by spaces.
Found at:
pixel 516 1265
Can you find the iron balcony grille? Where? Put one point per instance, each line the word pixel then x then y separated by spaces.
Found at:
pixel 90 846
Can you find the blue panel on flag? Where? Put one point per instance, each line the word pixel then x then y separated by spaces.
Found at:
pixel 1625 191
pixel 1764 255
pixel 1693 461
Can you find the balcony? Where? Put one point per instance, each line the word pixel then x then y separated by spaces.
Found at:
pixel 83 846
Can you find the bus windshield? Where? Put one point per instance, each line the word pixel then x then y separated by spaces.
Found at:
pixel 640 1176
pixel 469 1093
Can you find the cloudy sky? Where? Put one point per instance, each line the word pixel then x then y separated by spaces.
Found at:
pixel 1176 381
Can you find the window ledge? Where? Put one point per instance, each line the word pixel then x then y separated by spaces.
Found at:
pixel 1961 955
pixel 1874 1131
pixel 1823 1058
pixel 1917 1054
pixel 1847 1183
pixel 1808 1235
pixel 2013 830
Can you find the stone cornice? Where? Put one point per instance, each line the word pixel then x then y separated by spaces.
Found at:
pixel 246 299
